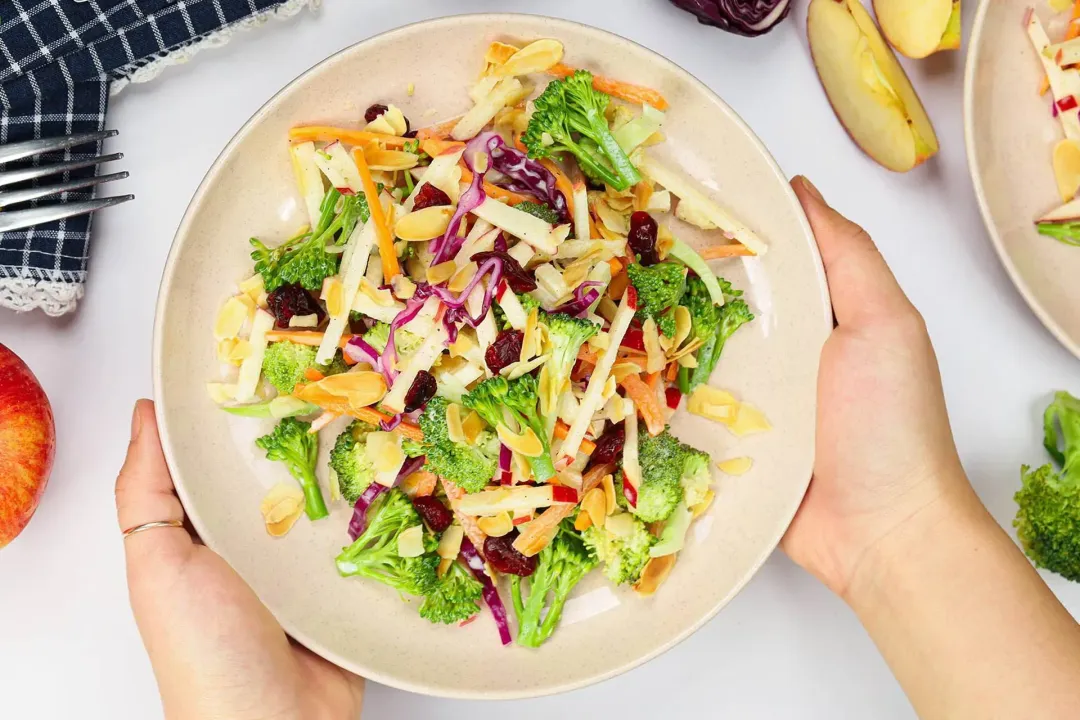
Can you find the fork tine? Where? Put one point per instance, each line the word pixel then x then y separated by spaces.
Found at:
pixel 39 215
pixel 19 150
pixel 20 196
pixel 11 177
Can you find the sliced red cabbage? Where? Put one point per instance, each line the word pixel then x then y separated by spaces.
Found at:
pixel 446 247
pixel 358 350
pixel 491 593
pixel 455 304
pixel 585 295
pixel 516 277
pixel 742 17
pixel 358 523
pixel 527 176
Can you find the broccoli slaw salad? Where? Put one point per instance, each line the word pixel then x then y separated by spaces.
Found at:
pixel 491 322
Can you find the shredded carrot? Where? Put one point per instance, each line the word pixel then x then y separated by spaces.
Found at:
pixel 593 232
pixel 500 53
pixel 561 431
pixel 437 146
pixel 616 266
pixel 322 421
pixel 672 372
pixel 587 354
pixel 323 133
pixel 313 375
pixel 645 401
pixel 303 337
pixel 652 380
pixel 419 484
pixel 618 285
pixel 520 145
pixel 717 252
pixel 562 183
pixel 440 131
pixel 582 522
pixel 494 191
pixel 390 266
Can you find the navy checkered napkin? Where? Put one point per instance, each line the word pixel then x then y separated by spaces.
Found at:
pixel 59 59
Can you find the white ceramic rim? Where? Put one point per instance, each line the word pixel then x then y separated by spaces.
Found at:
pixel 203 532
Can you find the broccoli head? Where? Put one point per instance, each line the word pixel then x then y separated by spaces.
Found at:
pixel 286 362
pixel 291 443
pixel 454 597
pixel 713 325
pixel 696 476
pixel 470 467
pixel 349 461
pixel 662 459
pixel 624 555
pixel 543 212
pixel 1048 504
pixel 405 342
pixel 561 565
pixel 567 334
pixel 659 289
pixel 375 553
pixel 569 117
pixel 519 396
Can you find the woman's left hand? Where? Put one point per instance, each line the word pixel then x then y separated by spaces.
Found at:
pixel 217 652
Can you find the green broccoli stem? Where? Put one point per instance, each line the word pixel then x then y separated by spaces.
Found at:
pixel 597 129
pixel 594 169
pixel 314 505
pixel 685 385
pixel 515 595
pixel 1068 233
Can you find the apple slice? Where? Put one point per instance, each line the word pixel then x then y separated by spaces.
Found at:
pixel 918 28
pixel 1069 212
pixel 868 90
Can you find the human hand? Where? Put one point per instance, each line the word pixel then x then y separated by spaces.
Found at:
pixel 885 452
pixel 217 652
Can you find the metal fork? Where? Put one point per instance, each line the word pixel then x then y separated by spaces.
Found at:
pixel 14 220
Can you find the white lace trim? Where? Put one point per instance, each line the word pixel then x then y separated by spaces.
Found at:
pixel 54 298
pixel 181 55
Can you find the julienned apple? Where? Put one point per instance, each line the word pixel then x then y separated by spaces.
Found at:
pixel 27 444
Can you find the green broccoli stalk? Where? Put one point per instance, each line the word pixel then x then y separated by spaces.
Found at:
pixel 543 212
pixel 1064 232
pixel 662 459
pixel 624 555
pixel 496 394
pixel 713 325
pixel 304 259
pixel 349 461
pixel 454 597
pixel 470 467
pixel 375 555
pixel 659 289
pixel 285 363
pixel 561 565
pixel 1048 505
pixel 292 444
pixel 570 107
pixel 567 334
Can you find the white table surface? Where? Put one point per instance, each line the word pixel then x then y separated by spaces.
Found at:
pixel 784 647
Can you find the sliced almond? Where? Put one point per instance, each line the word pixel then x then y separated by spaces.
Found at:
pixel 607 483
pixel 496 525
pixel 225 348
pixel 304 321
pixel 396 119
pixel 654 574
pixel 529 343
pixel 1067 168
pixel 426 224
pixel 454 426
pixel 462 345
pixel 361 388
pixel 610 386
pixel 613 220
pixel 735 466
pixel 516 370
pixel 497 51
pixel 526 443
pixel 438 274
pixel 698 510
pixel 334 295
pixel 471 427
pixel 384 450
pixel 462 277
pixel 620 370
pixel 419 484
pixel 402 287
pixel 712 403
pixel 410 542
pixel 380 296
pixel 450 542
pixel 643 192
pixel 391 160
pixel 595 504
pixel 749 420
pixel 281 507
pixel 655 359
pixel 536 57
pixel 583 521
pixel 231 318
pixel 687 361
pixel 253 284
pixel 683 325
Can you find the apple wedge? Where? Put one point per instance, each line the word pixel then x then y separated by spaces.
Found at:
pixel 918 28
pixel 868 90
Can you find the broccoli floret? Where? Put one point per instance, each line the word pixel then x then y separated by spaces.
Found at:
pixel 349 461
pixel 730 317
pixel 696 476
pixel 661 460
pixel 561 565
pixel 495 394
pixel 292 444
pixel 304 259
pixel 659 288
pixel 528 302
pixel 285 363
pixel 567 334
pixel 624 556
pixel 405 342
pixel 543 212
pixel 453 598
pixel 375 553
pixel 470 467
pixel 1048 505
pixel 569 117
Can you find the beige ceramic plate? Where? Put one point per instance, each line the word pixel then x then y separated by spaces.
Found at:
pixel 366 627
pixel 1010 137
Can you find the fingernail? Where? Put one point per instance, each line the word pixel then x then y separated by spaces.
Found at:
pixel 136 423
pixel 809 187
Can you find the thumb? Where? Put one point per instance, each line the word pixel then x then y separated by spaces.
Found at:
pixel 144 491
pixel 863 288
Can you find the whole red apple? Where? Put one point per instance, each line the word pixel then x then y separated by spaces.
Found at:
pixel 27 444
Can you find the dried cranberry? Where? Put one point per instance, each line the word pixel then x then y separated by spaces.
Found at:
pixel 609 445
pixel 504 557
pixel 430 196
pixel 516 277
pixel 290 301
pixel 642 237
pixel 422 390
pixel 409 133
pixel 359 324
pixel 436 515
pixel 372 114
pixel 506 350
